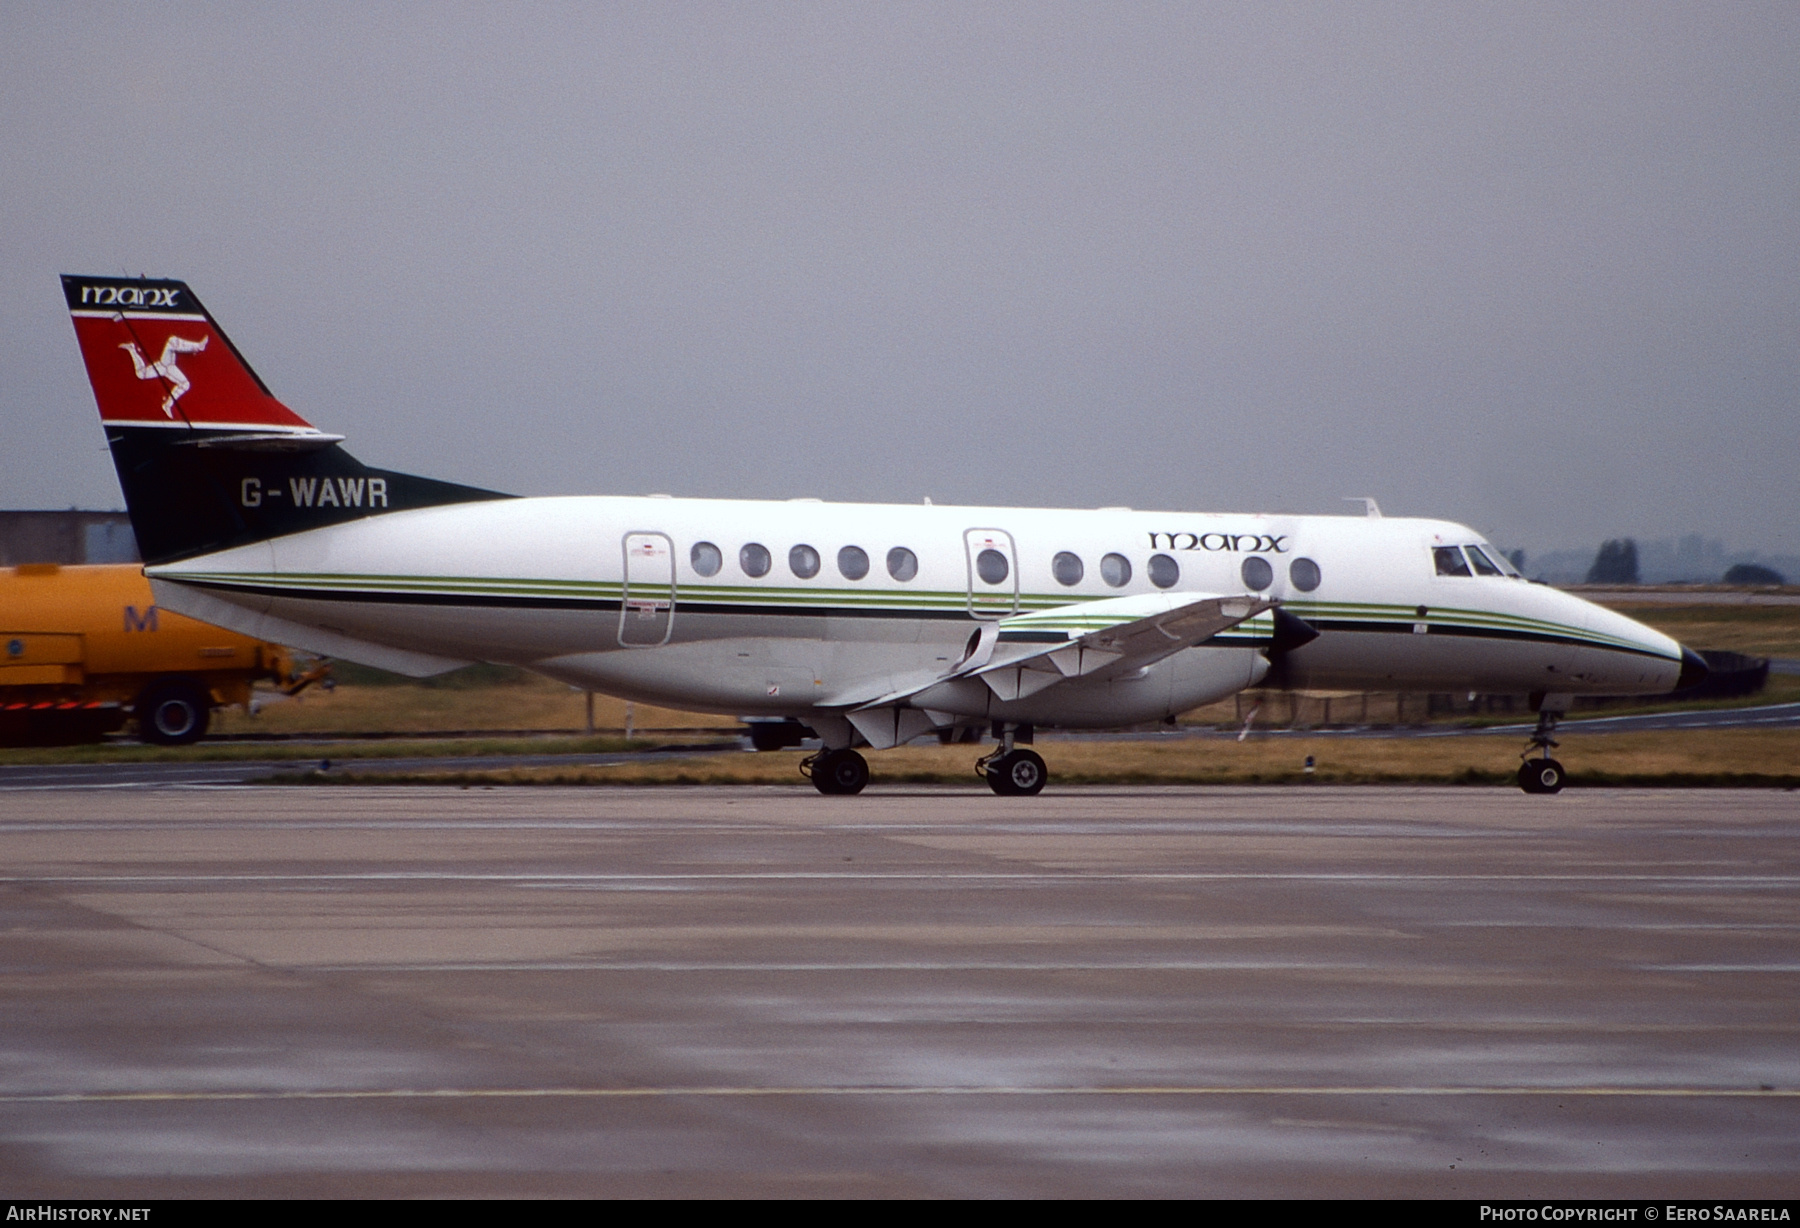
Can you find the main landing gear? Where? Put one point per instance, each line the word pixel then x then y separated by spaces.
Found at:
pixel 836 772
pixel 1543 774
pixel 1012 772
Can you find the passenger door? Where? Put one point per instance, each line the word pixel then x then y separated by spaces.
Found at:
pixel 647 606
pixel 993 572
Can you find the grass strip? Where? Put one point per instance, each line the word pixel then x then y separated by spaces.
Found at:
pixel 1730 758
pixel 411 748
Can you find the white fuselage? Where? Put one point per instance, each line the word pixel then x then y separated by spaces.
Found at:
pixel 666 600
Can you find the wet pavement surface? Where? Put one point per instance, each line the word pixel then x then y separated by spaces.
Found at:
pixel 760 991
pixel 128 775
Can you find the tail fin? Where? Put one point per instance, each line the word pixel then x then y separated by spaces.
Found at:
pixel 207 456
pixel 157 359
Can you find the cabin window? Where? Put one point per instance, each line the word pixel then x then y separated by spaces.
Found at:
pixel 706 558
pixel 1067 568
pixel 1257 574
pixel 1115 569
pixel 1449 561
pixel 1484 566
pixel 803 561
pixel 853 563
pixel 1304 573
pixel 1164 571
pixel 754 559
pixel 902 563
pixel 992 567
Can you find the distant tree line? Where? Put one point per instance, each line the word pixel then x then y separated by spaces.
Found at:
pixel 1753 573
pixel 1617 563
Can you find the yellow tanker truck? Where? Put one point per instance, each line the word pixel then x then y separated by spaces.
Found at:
pixel 82 649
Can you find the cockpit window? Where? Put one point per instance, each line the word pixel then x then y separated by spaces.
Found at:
pixel 1484 566
pixel 1449 561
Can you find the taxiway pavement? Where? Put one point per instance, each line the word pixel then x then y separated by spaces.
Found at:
pixel 761 991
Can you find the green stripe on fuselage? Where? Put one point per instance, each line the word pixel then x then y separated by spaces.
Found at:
pixel 825 601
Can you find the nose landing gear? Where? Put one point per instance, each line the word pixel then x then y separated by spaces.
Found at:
pixel 1543 774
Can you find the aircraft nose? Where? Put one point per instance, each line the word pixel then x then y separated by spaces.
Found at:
pixel 1693 669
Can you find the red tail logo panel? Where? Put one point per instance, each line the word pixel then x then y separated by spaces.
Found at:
pixel 155 369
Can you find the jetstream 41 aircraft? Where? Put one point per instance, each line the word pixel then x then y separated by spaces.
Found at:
pixel 872 624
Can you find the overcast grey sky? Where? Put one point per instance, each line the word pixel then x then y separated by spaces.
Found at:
pixel 1532 267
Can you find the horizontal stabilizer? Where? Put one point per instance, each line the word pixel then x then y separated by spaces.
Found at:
pixel 221 613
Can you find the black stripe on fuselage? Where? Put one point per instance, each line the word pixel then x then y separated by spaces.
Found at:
pixel 603 605
pixel 1477 633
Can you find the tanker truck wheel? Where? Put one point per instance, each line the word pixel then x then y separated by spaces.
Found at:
pixel 173 713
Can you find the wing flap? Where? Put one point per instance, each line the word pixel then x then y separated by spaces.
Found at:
pixel 888 727
pixel 1117 634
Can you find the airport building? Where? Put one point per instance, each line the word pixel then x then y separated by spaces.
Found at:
pixel 67 537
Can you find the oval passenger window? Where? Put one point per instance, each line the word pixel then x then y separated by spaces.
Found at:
pixel 754 559
pixel 706 558
pixel 903 564
pixel 1115 569
pixel 1305 574
pixel 991 566
pixel 853 564
pixel 1067 568
pixel 1257 574
pixel 803 561
pixel 1165 572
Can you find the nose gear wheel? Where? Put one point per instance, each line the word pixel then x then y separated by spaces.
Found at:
pixel 1543 774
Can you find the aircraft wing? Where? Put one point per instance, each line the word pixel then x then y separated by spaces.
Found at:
pixel 1027 653
pixel 1039 649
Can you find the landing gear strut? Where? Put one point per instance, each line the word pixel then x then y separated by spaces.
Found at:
pixel 1543 774
pixel 836 772
pixel 1012 772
